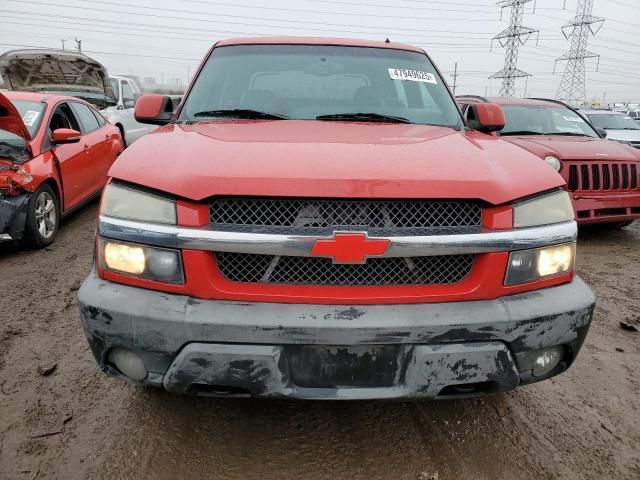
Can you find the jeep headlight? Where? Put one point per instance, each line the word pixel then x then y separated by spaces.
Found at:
pixel 131 204
pixel 543 210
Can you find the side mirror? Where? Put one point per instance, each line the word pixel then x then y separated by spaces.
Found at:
pixel 129 103
pixel 65 135
pixel 154 109
pixel 485 117
pixel 602 132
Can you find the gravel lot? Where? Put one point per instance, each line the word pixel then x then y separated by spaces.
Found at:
pixel 77 423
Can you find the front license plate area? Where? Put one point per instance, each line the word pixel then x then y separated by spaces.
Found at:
pixel 331 366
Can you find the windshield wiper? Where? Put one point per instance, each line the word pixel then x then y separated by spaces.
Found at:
pixel 241 113
pixel 521 132
pixel 363 117
pixel 572 134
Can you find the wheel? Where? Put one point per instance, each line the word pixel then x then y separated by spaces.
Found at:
pixel 43 218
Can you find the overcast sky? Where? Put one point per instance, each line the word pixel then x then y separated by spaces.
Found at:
pixel 167 38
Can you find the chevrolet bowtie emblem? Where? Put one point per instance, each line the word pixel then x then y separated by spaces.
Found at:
pixel 349 248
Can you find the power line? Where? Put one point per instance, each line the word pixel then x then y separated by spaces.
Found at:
pixel 512 38
pixel 174 18
pixel 572 86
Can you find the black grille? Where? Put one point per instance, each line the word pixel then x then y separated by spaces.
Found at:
pixel 602 176
pixel 253 268
pixel 400 217
pixel 584 171
pixel 572 183
pixel 595 175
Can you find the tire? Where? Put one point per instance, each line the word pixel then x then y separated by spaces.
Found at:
pixel 43 218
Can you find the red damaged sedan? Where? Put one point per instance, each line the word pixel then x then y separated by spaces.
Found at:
pixel 55 152
pixel 601 175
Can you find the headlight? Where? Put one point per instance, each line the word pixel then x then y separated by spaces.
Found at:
pixel 553 162
pixel 125 202
pixel 158 264
pixel 529 265
pixel 552 208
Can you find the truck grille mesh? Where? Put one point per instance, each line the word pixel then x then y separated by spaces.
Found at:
pixel 270 269
pixel 399 217
pixel 602 176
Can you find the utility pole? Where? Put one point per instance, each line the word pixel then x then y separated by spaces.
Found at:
pixel 62 40
pixel 572 87
pixel 78 44
pixel 511 39
pixel 455 78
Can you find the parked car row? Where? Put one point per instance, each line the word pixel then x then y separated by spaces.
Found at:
pixel 601 175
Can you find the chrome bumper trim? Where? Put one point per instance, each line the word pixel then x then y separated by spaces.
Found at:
pixel 172 236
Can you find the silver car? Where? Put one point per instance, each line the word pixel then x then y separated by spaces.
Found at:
pixel 618 126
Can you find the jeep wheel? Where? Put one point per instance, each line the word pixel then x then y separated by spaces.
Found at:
pixel 43 217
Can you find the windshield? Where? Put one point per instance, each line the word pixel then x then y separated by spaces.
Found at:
pixel 116 90
pixel 613 121
pixel 544 120
pixel 304 82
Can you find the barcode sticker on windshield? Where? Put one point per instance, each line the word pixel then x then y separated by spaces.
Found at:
pixel 411 75
pixel 29 118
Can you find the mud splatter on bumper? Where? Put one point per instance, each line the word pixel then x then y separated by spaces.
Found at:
pixel 319 351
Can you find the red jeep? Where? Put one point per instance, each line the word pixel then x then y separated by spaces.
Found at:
pixel 316 221
pixel 601 175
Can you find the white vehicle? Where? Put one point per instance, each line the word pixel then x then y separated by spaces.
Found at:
pixel 126 92
pixel 619 126
pixel 635 115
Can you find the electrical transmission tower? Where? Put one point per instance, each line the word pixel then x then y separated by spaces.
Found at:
pixel 512 38
pixel 572 86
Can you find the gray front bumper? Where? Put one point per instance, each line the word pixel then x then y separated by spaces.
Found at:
pixel 187 342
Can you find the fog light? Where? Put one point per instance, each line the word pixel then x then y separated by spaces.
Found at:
pixel 546 361
pixel 124 258
pixel 128 363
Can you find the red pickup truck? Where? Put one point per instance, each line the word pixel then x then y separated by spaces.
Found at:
pixel 317 221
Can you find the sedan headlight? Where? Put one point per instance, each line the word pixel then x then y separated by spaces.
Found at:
pixel 151 263
pixel 539 263
pixel 543 210
pixel 125 202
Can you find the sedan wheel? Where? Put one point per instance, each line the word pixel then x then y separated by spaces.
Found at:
pixel 46 215
pixel 43 217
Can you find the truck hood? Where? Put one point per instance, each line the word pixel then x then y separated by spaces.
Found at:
pixel 574 148
pixel 41 70
pixel 10 119
pixel 331 159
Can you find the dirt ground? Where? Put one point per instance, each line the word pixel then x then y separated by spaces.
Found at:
pixel 77 423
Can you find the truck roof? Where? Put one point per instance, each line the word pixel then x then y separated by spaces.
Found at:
pixel 349 42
